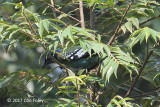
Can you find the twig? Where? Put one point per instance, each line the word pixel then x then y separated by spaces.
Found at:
pixel 149 20
pixel 30 25
pixel 31 36
pixel 146 94
pixel 92 18
pixel 54 13
pixel 118 27
pixel 140 24
pixel 53 59
pixel 62 12
pixel 81 14
pixel 140 71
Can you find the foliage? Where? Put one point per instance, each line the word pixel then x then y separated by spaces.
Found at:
pixel 131 26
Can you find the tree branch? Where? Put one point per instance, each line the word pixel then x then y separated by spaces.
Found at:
pixel 92 18
pixel 149 20
pixel 141 69
pixel 81 14
pixel 30 25
pixel 141 24
pixel 62 12
pixel 54 13
pixel 146 94
pixel 118 27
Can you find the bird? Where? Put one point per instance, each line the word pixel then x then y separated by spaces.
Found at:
pixel 74 58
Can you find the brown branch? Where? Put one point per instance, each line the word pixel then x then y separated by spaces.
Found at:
pixel 52 58
pixel 92 18
pixel 141 69
pixel 146 94
pixel 81 14
pixel 62 12
pixel 54 13
pixel 118 27
pixel 149 20
pixel 38 41
pixel 31 36
pixel 141 24
pixel 30 25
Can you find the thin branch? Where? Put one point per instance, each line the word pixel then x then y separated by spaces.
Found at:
pixel 141 24
pixel 146 94
pixel 141 69
pixel 62 12
pixel 54 13
pixel 52 58
pixel 149 20
pixel 118 27
pixel 30 25
pixel 81 14
pixel 38 41
pixel 92 18
pixel 31 36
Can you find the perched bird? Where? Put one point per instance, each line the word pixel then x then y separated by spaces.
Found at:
pixel 74 58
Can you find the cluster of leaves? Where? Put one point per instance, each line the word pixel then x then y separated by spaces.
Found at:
pixel 31 30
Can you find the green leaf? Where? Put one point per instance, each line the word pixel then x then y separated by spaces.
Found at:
pixel 61 16
pixel 55 27
pixel 61 38
pixel 66 87
pixel 123 29
pixel 5 80
pixel 64 91
pixel 99 38
pixel 93 103
pixel 147 33
pixel 86 90
pixel 72 78
pixel 110 105
pixel 134 21
pixel 110 2
pixel 68 33
pixel 59 21
pixel 127 98
pixel 149 79
pixel 128 25
pixel 116 102
pixel 46 25
pixel 48 89
pixel 41 29
pixel 1 28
